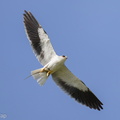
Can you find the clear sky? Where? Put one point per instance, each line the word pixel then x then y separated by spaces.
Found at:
pixel 87 31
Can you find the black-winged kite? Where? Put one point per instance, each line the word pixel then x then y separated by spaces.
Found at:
pixel 54 65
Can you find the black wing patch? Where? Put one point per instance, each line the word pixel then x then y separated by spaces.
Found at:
pixel 85 97
pixel 32 26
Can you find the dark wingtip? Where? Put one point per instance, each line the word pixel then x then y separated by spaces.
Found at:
pixel 26 11
pixel 85 97
pixel 31 26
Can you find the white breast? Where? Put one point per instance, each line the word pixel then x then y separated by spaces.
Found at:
pixel 55 63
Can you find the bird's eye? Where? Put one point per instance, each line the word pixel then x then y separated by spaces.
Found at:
pixel 63 56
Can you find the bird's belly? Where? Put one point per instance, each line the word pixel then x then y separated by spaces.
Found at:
pixel 54 65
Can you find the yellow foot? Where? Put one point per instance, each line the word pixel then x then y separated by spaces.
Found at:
pixel 48 73
pixel 46 70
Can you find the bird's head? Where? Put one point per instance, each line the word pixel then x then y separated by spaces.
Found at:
pixel 64 57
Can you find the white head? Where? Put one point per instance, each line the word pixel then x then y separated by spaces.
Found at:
pixel 63 58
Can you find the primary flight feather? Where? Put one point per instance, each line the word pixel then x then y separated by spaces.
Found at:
pixel 54 65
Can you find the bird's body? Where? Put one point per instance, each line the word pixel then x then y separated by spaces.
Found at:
pixel 54 65
pixel 42 74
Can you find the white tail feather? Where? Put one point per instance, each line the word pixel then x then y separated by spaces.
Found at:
pixel 41 77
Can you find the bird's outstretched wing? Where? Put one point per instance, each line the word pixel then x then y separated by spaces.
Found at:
pixel 39 39
pixel 76 88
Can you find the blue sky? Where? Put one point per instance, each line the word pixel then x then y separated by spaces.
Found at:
pixel 87 31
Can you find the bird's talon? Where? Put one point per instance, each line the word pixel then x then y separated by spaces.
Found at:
pixel 48 73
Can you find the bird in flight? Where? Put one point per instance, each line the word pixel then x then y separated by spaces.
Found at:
pixel 53 64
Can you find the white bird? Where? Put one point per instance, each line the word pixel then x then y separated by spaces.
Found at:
pixel 54 65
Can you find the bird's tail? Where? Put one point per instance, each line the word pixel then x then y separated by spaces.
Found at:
pixel 41 77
